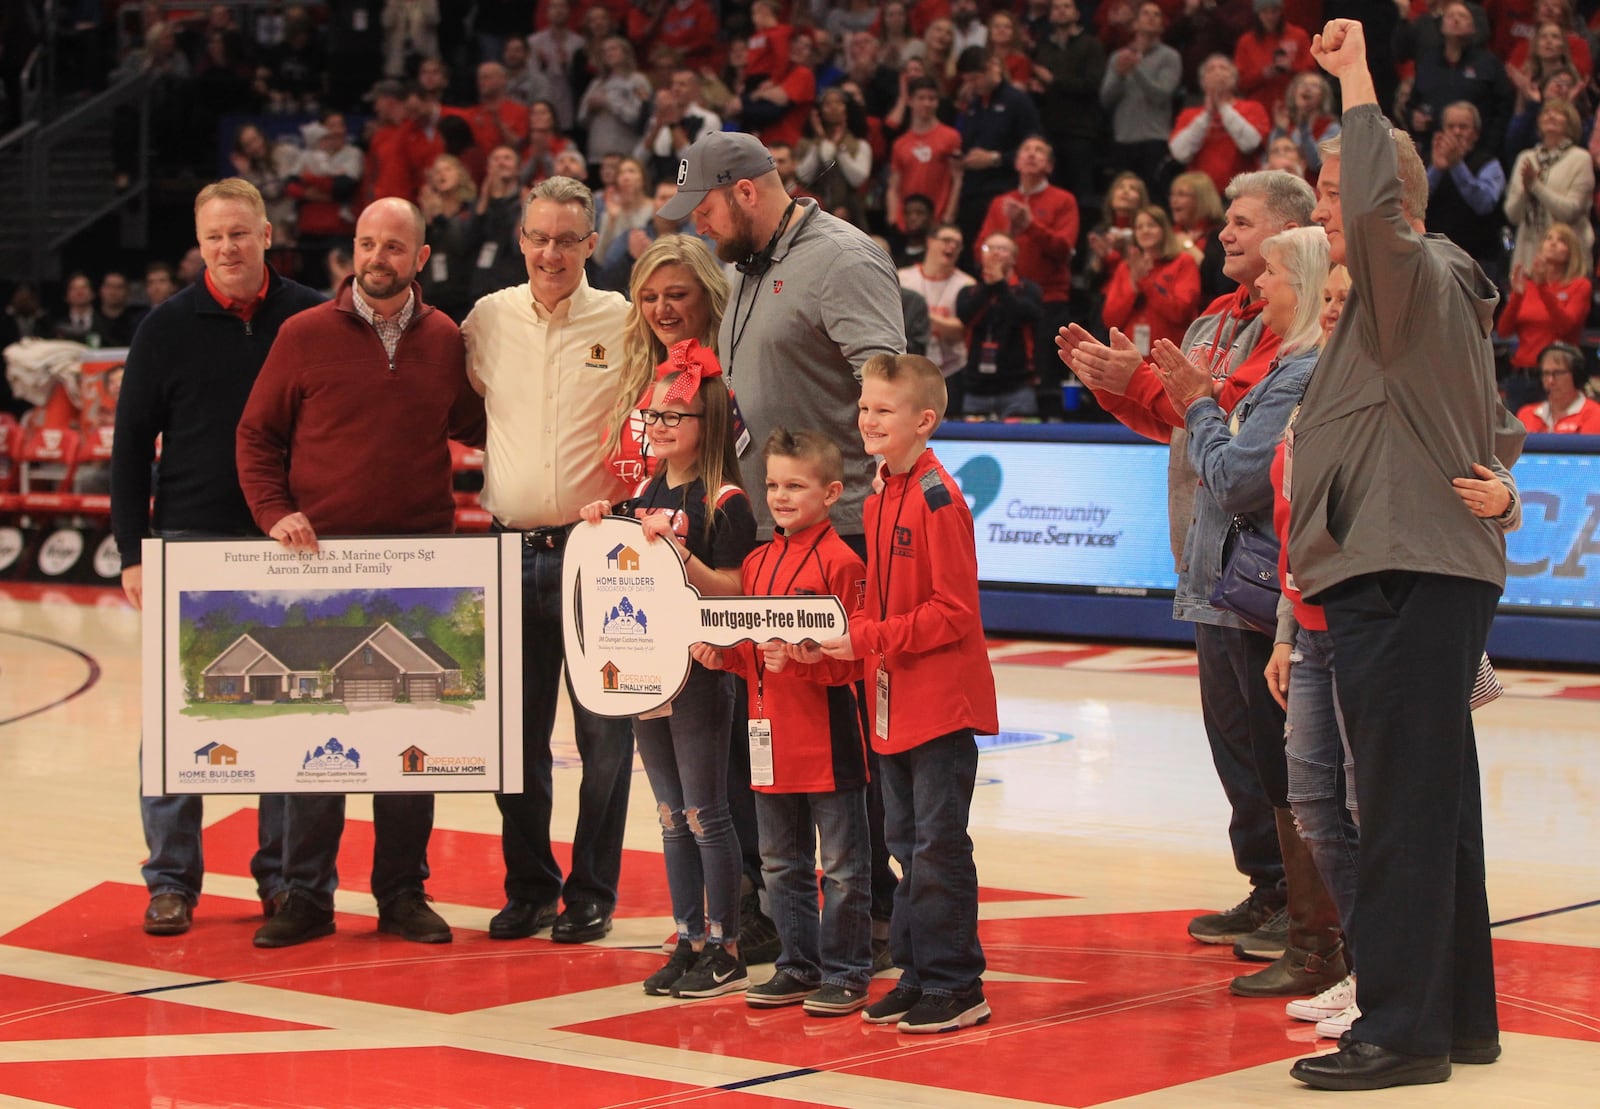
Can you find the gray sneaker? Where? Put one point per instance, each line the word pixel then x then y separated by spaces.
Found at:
pixel 781 989
pixel 1234 924
pixel 835 1001
pixel 1266 944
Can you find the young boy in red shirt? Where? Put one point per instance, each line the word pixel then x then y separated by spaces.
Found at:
pixel 808 754
pixel 930 690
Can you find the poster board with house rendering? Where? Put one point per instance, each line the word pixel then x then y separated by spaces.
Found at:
pixel 369 666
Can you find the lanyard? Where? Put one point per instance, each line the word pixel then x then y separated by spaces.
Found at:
pixel 811 553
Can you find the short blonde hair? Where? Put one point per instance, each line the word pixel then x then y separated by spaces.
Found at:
pixel 232 188
pixel 1577 256
pixel 921 377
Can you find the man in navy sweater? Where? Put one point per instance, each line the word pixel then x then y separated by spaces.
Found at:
pixel 186 380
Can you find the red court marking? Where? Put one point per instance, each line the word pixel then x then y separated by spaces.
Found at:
pixel 466 866
pixel 467 869
pixel 377 1079
pixel 48 1011
pixel 357 962
pixel 1134 988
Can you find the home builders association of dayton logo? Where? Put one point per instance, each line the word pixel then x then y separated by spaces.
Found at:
pixel 415 761
pixel 216 763
pixel 331 761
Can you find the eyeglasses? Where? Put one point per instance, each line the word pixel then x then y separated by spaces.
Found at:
pixel 566 244
pixel 1555 373
pixel 667 419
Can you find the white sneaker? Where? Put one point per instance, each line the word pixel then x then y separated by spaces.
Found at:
pixel 1336 1026
pixel 1329 1003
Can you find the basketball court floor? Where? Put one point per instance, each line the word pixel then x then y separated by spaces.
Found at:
pixel 1100 829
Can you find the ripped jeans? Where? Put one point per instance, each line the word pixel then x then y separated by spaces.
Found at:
pixel 1322 781
pixel 685 756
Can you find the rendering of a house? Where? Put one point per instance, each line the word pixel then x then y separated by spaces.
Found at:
pixel 366 664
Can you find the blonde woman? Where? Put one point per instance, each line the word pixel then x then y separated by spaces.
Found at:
pixel 677 292
pixel 1551 183
pixel 1155 284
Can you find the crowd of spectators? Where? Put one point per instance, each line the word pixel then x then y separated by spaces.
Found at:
pixel 1088 142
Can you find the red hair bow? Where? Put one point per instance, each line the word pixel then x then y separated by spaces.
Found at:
pixel 692 363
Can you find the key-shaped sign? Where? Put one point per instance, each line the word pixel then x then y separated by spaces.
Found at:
pixel 631 616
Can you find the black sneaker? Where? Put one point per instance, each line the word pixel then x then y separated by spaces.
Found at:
pixel 1268 942
pixel 715 973
pixel 781 989
pixel 1236 923
pixel 946 1013
pixel 409 917
pixel 661 982
pixel 297 920
pixel 835 1001
pixel 758 936
pixel 893 1005
pixel 882 957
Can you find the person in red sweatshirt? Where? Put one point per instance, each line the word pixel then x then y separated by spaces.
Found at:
pixel 808 754
pixel 346 432
pixel 1042 219
pixel 931 691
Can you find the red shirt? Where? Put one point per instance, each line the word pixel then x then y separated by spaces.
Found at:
pixel 1254 53
pixel 1584 421
pixel 925 161
pixel 768 52
pixel 1544 314
pixel 486 132
pixel 1306 615
pixel 244 309
pixel 816 711
pixel 1219 157
pixel 692 30
pixel 801 85
pixel 388 170
pixel 920 619
pixel 1144 408
pixel 1044 247
pixel 1165 299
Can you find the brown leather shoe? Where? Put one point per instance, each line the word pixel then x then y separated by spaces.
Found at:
pixel 169 914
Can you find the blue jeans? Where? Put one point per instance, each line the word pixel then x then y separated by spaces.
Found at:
pixel 793 827
pixel 173 839
pixel 1322 774
pixel 685 756
pixel 1244 727
pixel 604 745
pixel 314 822
pixel 172 824
pixel 927 797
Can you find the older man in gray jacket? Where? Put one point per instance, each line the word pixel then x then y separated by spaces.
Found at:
pixel 1391 534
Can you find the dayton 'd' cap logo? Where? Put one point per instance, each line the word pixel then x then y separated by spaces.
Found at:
pixel 683 172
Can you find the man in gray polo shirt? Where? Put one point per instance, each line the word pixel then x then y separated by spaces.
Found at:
pixel 813 300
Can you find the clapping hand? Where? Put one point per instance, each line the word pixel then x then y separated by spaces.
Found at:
pixel 1183 381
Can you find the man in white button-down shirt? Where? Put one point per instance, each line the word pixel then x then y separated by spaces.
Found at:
pixel 542 355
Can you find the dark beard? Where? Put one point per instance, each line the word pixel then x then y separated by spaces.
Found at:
pixel 394 286
pixel 742 243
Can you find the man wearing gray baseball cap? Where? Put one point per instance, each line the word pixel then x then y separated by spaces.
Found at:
pixel 714 160
pixel 813 299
